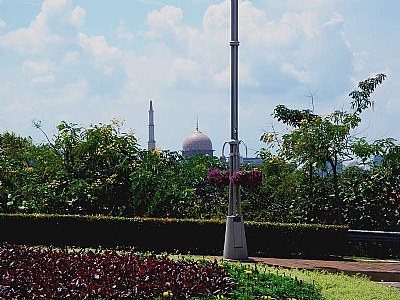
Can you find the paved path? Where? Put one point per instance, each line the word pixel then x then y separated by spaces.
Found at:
pixel 387 272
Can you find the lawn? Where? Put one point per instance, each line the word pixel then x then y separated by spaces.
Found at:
pixel 331 286
pixel 340 286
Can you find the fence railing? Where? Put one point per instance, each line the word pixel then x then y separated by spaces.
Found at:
pixel 374 236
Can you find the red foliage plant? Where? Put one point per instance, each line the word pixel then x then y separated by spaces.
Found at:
pixel 30 273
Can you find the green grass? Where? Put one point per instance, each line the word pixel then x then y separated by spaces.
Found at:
pixel 343 287
pixel 331 286
pixel 340 286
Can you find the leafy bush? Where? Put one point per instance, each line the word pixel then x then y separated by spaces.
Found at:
pixel 61 274
pixel 165 184
pixel 83 171
pixel 372 198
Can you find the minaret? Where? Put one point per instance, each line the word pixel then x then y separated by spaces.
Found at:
pixel 151 144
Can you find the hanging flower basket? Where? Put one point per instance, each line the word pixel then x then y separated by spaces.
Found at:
pixel 218 177
pixel 250 179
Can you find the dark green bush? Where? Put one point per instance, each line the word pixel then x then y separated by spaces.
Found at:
pixel 195 236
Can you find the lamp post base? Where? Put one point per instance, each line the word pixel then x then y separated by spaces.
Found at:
pixel 235 246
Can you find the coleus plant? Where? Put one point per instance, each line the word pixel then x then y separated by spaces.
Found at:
pixel 39 273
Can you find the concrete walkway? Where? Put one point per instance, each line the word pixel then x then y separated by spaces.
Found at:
pixel 383 271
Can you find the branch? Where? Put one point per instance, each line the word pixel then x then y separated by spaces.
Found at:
pixel 38 125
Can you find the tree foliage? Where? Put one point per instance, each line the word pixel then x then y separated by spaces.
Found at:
pixel 319 145
pixel 98 170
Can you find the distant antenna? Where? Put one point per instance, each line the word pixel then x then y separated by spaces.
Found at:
pixel 151 144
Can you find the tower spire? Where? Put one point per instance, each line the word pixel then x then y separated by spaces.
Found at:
pixel 151 144
pixel 197 123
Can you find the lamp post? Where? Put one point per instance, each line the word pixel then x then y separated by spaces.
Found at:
pixel 235 246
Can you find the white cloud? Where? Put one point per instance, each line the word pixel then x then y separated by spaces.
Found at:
pixel 5 87
pixel 217 16
pixel 393 105
pixel 77 16
pixel 167 23
pixel 123 33
pixel 97 45
pixel 35 67
pixel 184 70
pixel 271 50
pixel 176 64
pixel 222 78
pixel 154 74
pixel 54 5
pixel 103 54
pixel 45 79
pixel 38 72
pixel 246 77
pixel 301 76
pixel 74 92
pixel 44 30
pixel 70 58
pixel 3 24
pixel 167 16
pixel 28 40
pixel 335 19
pixel 360 60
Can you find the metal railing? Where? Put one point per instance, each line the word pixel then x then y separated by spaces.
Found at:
pixel 374 236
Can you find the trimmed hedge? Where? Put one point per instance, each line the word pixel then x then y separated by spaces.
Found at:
pixel 170 235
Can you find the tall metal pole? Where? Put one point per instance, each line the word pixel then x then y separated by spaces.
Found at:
pixel 235 246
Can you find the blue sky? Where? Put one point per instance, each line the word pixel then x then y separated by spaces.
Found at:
pixel 90 61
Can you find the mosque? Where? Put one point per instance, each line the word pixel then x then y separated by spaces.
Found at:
pixel 195 143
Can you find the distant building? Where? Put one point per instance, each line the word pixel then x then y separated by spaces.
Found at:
pixel 151 144
pixel 253 161
pixel 197 143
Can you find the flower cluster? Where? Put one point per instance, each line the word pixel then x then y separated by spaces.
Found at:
pixel 218 177
pixel 250 179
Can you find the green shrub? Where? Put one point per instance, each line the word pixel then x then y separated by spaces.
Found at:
pixel 183 235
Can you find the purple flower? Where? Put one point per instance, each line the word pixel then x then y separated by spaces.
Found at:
pixel 250 179
pixel 218 177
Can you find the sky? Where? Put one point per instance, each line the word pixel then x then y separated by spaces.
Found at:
pixel 90 61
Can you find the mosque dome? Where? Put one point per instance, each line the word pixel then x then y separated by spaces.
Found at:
pixel 197 143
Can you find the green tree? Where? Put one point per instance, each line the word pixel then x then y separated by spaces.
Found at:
pixel 165 184
pixel 323 141
pixel 82 171
pixel 15 166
